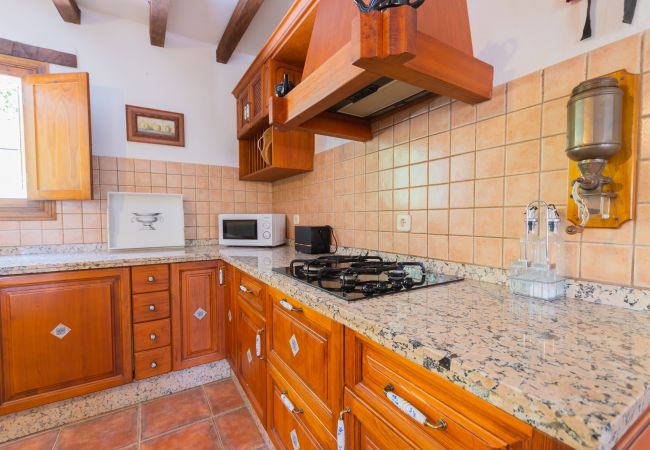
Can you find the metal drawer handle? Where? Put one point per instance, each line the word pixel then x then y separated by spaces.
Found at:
pixel 152 307
pixel 288 404
pixel 412 411
pixel 153 336
pixel 258 343
pixel 154 364
pixel 286 305
pixel 245 289
pixel 151 279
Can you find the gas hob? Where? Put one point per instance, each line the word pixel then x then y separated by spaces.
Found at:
pixel 362 276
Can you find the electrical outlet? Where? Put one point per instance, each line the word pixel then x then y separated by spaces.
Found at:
pixel 403 223
pixel 296 219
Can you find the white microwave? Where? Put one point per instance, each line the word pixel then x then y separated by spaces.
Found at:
pixel 252 230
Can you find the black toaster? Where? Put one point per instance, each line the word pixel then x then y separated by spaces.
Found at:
pixel 313 240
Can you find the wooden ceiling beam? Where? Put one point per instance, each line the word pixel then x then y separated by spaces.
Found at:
pixel 69 10
pixel 241 18
pixel 158 12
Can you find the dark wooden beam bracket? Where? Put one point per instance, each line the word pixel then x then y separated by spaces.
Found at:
pixel 46 55
pixel 158 13
pixel 69 10
pixel 241 18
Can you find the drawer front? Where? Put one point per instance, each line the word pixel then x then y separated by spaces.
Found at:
pixel 150 306
pixel 150 278
pixel 252 291
pixel 149 335
pixel 454 418
pixel 153 362
pixel 297 427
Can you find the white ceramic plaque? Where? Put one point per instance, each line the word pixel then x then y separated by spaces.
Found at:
pixel 293 343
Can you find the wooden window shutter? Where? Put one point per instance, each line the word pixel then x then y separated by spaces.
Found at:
pixel 56 111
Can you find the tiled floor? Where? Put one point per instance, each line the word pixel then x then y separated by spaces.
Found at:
pixel 212 416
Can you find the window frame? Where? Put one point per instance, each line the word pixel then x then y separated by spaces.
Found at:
pixel 25 209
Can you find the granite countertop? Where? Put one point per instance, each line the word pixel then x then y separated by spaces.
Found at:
pixel 577 371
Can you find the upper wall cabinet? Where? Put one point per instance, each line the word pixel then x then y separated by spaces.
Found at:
pixel 57 136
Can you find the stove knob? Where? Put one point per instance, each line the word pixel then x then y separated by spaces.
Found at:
pixel 266 235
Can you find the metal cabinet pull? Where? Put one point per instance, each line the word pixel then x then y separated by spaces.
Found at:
pixel 151 279
pixel 288 404
pixel 154 364
pixel 411 410
pixel 245 289
pixel 286 305
pixel 220 277
pixel 152 307
pixel 153 336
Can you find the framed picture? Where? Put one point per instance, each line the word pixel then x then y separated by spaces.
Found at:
pixel 153 126
pixel 144 220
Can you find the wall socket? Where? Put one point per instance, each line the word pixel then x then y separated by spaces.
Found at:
pixel 403 223
pixel 296 219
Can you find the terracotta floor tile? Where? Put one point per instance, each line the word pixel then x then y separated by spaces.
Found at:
pixel 108 432
pixel 43 441
pixel 238 431
pixel 199 436
pixel 167 413
pixel 223 396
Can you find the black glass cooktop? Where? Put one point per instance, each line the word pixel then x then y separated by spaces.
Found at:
pixel 362 276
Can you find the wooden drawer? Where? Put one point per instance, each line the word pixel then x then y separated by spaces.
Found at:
pixel 149 278
pixel 308 348
pixel 466 421
pixel 150 306
pixel 252 291
pixel 153 362
pixel 293 428
pixel 149 335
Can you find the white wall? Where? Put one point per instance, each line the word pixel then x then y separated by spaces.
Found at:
pixel 125 69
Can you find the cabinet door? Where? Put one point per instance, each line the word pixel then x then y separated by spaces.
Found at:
pixel 243 112
pixel 63 335
pixel 57 136
pixel 197 314
pixel 257 98
pixel 251 368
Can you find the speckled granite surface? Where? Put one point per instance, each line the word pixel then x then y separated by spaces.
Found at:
pixel 576 370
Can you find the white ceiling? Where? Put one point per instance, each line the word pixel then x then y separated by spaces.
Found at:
pixel 201 20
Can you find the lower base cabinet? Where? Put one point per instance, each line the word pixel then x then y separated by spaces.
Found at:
pixel 251 369
pixel 63 335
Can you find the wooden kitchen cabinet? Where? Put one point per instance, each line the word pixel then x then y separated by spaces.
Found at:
pixel 229 295
pixel 198 332
pixel 251 360
pixel 63 335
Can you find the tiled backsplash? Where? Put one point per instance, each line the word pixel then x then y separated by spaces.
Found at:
pixel 464 173
pixel 208 191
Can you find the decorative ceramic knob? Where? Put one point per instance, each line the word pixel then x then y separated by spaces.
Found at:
pixel 154 365
pixel 151 279
pixel 152 307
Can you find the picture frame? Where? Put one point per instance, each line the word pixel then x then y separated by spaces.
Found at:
pixel 155 126
pixel 138 220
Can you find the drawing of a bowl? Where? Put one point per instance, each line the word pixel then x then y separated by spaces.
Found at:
pixel 147 220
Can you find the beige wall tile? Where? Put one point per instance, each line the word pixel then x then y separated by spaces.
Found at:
pixel 463 139
pixel 418 174
pixel 419 150
pixel 401 177
pixel 440 120
pixel 385 179
pixel 439 145
pixel 438 221
pixel 641 264
pixel 418 222
pixel 554 117
pixel 401 155
pixel 643 192
pixel 554 187
pixel 510 251
pixel 623 54
pixel 490 163
pixel 462 167
pixel 525 91
pixel 461 222
pixel 523 157
pixel 491 133
pixel 488 251
pixel 622 235
pixel 521 189
pixel 461 249
pixel 418 198
pixel 462 114
pixel 418 244
pixel 606 263
pixel 554 153
pixel 461 195
pixel 438 246
pixel 401 243
pixel 489 192
pixel 401 133
pixel 644 145
pixel 401 199
pixel 523 125
pixel 561 78
pixel 439 171
pixel 643 225
pixel 385 242
pixel 438 196
pixel 419 126
pixel 488 222
pixel 495 106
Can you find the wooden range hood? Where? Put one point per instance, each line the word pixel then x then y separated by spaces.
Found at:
pixel 429 47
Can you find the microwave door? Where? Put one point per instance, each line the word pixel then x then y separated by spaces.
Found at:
pixel 240 229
